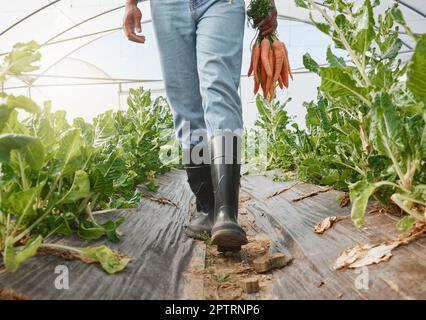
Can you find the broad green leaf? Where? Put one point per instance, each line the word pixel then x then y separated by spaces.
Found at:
pixel 423 143
pixel 105 129
pixel 337 82
pixel 302 4
pixel 397 15
pixel 323 116
pixel 359 193
pixel 310 63
pixel 111 229
pixel 420 192
pixel 111 261
pixel 101 184
pixel 21 59
pixel 382 77
pixel 34 154
pixel 89 231
pixel 406 223
pixel 387 113
pixel 364 33
pixel 311 118
pixel 393 50
pixel 22 203
pixel 13 257
pixel 80 187
pixel 386 128
pixel 323 27
pixel 60 121
pixel 12 141
pixel 416 75
pixel 22 102
pixel 333 60
pixel 69 150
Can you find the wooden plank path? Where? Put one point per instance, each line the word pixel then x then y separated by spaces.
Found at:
pixel 168 265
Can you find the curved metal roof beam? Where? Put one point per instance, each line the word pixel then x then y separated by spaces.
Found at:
pixel 85 21
pixel 28 16
pixel 412 8
pixel 81 22
pixel 80 47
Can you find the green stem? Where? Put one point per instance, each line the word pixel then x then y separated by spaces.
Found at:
pixel 351 167
pixel 61 246
pixel 25 184
pixel 345 43
pixel 395 163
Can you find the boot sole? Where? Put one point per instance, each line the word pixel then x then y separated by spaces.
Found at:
pixel 229 239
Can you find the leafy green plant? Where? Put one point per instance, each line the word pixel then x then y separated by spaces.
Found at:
pixel 366 132
pixel 54 174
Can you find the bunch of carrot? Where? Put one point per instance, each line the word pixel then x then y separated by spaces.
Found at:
pixel 269 65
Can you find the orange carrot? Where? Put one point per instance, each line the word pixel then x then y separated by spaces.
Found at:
pixel 284 71
pixel 262 79
pixel 256 86
pixel 280 82
pixel 272 92
pixel 264 55
pixel 279 59
pixel 269 82
pixel 256 57
pixel 287 61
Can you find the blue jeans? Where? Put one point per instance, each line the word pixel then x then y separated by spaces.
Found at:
pixel 200 43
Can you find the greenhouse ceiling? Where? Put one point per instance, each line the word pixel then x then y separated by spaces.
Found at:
pixel 84 50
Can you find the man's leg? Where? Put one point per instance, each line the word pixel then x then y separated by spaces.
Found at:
pixel 175 31
pixel 220 32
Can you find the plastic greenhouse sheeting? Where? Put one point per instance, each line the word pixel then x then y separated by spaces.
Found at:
pixel 88 65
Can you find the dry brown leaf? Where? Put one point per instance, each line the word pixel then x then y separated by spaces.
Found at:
pixel 72 255
pixel 9 294
pixel 159 199
pixel 364 255
pixel 245 198
pixel 311 194
pixel 327 223
pixel 418 230
pixel 276 193
pixel 345 200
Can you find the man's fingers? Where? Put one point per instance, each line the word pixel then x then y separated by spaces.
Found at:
pixel 135 38
pixel 264 22
pixel 137 23
pixel 268 31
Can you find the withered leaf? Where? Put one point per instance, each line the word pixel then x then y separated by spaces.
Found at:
pixel 245 198
pixel 282 190
pixel 310 194
pixel 364 255
pixel 327 223
pixel 345 200
pixel 160 199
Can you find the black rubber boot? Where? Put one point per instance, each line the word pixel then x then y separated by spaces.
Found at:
pixel 200 182
pixel 226 233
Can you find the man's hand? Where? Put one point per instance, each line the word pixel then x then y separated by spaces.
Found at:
pixel 132 22
pixel 270 23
